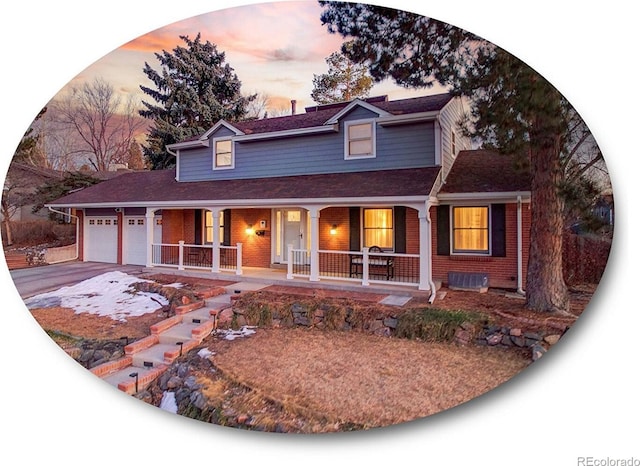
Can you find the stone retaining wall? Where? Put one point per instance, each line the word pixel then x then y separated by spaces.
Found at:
pixel 385 324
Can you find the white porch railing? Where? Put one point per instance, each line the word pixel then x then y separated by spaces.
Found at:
pixel 197 256
pixel 361 266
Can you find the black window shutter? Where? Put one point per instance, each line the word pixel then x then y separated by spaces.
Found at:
pixel 443 220
pixel 354 228
pixel 226 233
pixel 498 231
pixel 400 229
pixel 198 226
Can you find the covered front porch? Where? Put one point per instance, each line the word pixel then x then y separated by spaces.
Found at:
pixel 379 244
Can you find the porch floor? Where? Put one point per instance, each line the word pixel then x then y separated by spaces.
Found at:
pixel 275 276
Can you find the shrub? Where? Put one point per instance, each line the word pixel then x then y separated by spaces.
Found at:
pixel 38 232
pixel 432 324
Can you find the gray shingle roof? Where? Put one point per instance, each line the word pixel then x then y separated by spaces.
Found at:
pixel 160 186
pixel 483 171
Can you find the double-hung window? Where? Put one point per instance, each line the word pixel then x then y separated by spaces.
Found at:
pixel 223 156
pixel 378 228
pixel 208 226
pixel 470 228
pixel 359 139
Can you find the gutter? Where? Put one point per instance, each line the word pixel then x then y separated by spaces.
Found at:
pixel 432 285
pixel 175 154
pixel 51 209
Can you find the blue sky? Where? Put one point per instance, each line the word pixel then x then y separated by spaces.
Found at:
pixel 574 403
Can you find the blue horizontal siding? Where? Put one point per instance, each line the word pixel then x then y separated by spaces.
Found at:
pixel 402 146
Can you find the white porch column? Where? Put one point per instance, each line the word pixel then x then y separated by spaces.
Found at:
pixel 314 215
pixel 215 251
pixel 425 249
pixel 150 219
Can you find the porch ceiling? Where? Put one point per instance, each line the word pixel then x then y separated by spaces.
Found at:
pixel 160 187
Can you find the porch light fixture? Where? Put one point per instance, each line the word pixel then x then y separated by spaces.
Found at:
pixel 334 229
pixel 251 231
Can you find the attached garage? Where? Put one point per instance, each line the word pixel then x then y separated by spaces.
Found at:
pixel 101 239
pixel 135 238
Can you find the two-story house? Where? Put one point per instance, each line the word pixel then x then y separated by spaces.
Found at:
pixel 368 190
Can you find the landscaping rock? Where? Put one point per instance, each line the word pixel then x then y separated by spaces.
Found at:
pixel 302 320
pixel 494 339
pixel 537 351
pixel 462 337
pixel 391 322
pixel 174 382
pixel 552 339
pixel 198 400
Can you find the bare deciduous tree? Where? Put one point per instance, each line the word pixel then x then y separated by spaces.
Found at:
pixel 106 125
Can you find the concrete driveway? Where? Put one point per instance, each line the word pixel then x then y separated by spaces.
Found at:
pixel 36 280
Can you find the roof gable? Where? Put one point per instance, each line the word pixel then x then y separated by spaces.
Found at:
pixel 353 105
pixel 221 124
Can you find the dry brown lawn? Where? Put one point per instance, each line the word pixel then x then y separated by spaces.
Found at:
pixel 349 377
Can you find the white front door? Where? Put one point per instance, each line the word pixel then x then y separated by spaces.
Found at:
pixel 291 229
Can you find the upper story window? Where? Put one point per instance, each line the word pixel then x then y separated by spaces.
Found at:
pixel 471 230
pixel 223 156
pixel 360 140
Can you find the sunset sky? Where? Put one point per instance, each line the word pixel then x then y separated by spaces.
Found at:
pixel 274 48
pixel 575 402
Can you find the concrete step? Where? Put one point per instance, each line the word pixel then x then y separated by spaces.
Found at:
pixel 181 332
pixel 150 356
pixel 125 380
pixel 155 355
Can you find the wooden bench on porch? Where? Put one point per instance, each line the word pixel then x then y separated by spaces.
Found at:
pixel 378 265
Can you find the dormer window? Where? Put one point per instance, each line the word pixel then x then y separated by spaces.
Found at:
pixel 223 154
pixel 359 139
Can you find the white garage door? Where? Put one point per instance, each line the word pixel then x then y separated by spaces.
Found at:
pixel 135 239
pixel 101 239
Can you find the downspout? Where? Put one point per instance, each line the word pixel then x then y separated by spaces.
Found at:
pixel 432 285
pixel 519 222
pixel 51 209
pixel 175 154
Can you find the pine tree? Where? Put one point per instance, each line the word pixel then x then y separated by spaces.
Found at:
pixel 193 90
pixel 513 109
pixel 343 82
pixel 29 150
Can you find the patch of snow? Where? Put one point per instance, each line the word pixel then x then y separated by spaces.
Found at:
pixel 244 331
pixel 168 402
pixel 174 285
pixel 205 353
pixel 110 294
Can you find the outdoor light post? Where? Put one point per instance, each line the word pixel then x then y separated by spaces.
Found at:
pixel 135 374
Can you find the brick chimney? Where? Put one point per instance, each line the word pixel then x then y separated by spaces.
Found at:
pixel 293 107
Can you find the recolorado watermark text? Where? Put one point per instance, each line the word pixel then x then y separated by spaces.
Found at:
pixel 593 461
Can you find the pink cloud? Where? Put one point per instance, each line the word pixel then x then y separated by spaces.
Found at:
pixel 280 31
